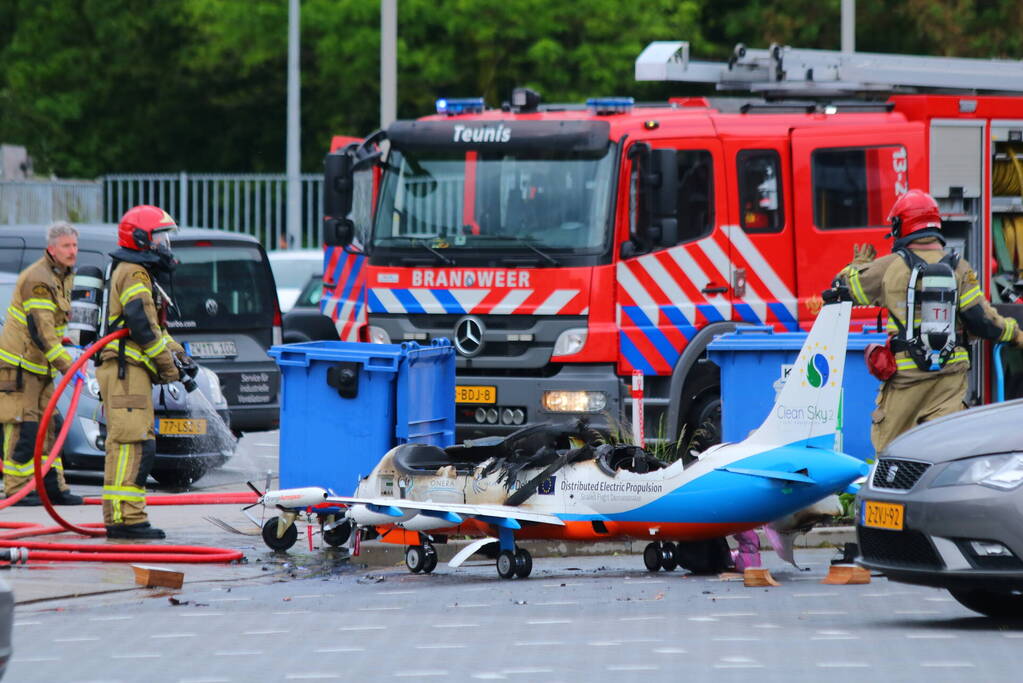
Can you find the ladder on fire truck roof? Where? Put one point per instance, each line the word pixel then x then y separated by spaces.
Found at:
pixel 783 71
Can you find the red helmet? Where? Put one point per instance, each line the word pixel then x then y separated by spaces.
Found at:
pixel 913 211
pixel 140 224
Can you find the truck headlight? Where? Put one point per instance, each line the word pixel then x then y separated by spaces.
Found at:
pixel 570 342
pixel 574 401
pixel 378 335
pixel 1003 472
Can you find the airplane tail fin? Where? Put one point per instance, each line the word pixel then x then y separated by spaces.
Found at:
pixel 808 409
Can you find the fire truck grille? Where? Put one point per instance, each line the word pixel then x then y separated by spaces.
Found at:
pixel 906 548
pixel 898 474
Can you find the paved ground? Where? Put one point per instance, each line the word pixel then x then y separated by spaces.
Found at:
pixel 578 618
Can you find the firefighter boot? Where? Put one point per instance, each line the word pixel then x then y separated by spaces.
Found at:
pixel 142 530
pixel 57 495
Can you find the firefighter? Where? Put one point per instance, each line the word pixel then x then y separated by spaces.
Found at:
pixel 931 296
pixel 130 366
pixel 31 354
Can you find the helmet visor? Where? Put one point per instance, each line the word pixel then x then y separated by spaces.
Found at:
pixel 162 237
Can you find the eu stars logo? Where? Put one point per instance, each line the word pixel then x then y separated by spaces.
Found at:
pixel 546 487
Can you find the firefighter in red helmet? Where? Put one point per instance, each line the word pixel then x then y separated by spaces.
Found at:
pixel 137 301
pixel 933 300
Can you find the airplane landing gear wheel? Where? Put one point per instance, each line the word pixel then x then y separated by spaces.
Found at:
pixel 523 563
pixel 415 558
pixel 668 560
pixel 284 542
pixel 652 557
pixel 430 563
pixel 337 536
pixel 506 564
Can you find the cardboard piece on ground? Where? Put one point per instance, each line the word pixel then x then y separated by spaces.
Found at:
pixel 758 576
pixel 150 576
pixel 843 574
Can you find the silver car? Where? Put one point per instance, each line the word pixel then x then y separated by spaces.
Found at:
pixel 943 506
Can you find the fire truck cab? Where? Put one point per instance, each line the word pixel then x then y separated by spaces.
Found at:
pixel 564 248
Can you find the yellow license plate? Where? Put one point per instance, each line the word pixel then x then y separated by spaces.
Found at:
pixel 182 427
pixel 475 394
pixel 883 515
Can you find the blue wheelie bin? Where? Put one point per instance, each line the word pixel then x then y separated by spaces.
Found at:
pixel 754 360
pixel 345 404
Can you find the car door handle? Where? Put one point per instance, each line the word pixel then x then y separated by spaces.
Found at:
pixel 714 289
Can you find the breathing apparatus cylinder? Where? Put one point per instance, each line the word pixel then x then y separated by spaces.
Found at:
pixel 86 297
pixel 937 309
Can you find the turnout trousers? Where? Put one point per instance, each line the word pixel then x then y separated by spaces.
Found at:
pixel 131 444
pixel 900 407
pixel 20 412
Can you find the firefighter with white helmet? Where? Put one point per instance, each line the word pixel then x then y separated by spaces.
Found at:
pixel 131 365
pixel 932 297
pixel 31 354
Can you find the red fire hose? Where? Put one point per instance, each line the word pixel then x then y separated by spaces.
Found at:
pixel 87 552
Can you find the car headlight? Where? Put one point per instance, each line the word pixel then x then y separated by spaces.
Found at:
pixel 93 386
pixel 1003 472
pixel 216 395
pixel 570 342
pixel 574 401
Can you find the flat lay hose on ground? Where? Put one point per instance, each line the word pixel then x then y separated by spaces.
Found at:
pixel 92 552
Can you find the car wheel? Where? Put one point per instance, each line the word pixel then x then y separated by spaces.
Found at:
pixel 991 603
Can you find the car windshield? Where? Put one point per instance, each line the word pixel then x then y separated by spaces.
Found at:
pixel 219 286
pixel 295 272
pixel 310 296
pixel 473 200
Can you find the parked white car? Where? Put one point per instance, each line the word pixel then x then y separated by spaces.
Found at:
pixel 292 269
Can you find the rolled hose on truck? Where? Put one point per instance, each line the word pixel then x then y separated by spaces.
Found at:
pixel 14 550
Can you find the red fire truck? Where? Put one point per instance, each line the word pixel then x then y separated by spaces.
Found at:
pixel 564 248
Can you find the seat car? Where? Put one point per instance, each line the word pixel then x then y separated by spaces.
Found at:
pixel 943 506
pixel 6 624
pixel 291 269
pixel 304 322
pixel 192 432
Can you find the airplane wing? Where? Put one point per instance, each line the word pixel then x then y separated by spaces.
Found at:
pixel 490 513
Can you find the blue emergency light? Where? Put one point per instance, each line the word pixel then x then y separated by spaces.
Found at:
pixel 460 105
pixel 604 106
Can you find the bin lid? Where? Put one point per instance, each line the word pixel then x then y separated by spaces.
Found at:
pixel 764 338
pixel 378 356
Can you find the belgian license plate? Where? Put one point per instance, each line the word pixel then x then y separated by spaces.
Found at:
pixel 181 426
pixel 883 515
pixel 475 394
pixel 212 349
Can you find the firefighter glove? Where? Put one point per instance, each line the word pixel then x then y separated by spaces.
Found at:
pixel 864 253
pixel 836 294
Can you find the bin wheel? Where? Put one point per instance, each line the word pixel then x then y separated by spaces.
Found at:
pixel 506 564
pixel 652 557
pixel 523 563
pixel 430 563
pixel 668 559
pixel 338 536
pixel 415 558
pixel 282 543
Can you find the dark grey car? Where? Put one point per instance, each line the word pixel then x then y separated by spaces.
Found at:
pixel 943 506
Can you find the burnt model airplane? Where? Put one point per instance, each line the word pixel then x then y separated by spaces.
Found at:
pixel 544 483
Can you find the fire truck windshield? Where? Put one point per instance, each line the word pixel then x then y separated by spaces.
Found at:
pixel 505 203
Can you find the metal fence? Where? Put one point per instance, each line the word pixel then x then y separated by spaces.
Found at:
pixel 24 201
pixel 254 204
